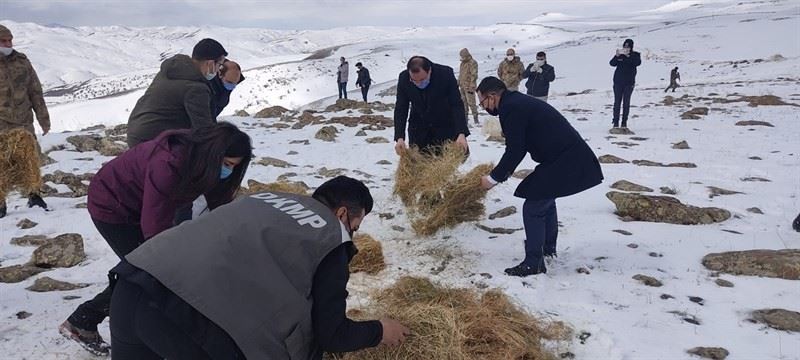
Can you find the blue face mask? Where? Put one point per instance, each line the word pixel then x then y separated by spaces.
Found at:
pixel 228 86
pixel 225 172
pixel 423 84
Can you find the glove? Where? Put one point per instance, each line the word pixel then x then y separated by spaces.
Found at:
pixel 539 70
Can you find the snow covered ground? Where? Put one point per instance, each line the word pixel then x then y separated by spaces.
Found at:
pixel 626 320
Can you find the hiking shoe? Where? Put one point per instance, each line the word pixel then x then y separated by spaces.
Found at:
pixel 523 270
pixel 89 340
pixel 3 209
pixel 36 200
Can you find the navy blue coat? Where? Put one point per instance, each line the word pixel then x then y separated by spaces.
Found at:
pixel 538 84
pixel 437 112
pixel 566 163
pixel 625 74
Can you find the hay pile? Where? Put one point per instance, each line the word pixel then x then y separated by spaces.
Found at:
pixel 458 324
pixel 369 258
pixel 19 163
pixel 434 192
pixel 293 187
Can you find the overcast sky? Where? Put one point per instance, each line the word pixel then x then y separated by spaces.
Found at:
pixel 304 14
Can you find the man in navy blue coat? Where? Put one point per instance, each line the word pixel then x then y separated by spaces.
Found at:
pixel 566 165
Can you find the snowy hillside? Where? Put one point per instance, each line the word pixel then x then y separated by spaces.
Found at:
pixel 725 50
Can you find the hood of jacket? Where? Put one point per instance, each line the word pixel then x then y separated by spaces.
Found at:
pixel 465 55
pixel 181 67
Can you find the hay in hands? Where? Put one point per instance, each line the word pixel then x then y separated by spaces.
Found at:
pixel 19 162
pixel 369 258
pixel 293 187
pixel 434 193
pixel 458 324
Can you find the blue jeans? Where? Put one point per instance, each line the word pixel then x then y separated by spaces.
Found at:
pixel 541 230
pixel 342 90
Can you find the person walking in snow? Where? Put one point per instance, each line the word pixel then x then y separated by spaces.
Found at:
pixel 179 97
pixel 567 166
pixel 674 76
pixel 262 278
pixel 436 110
pixel 20 98
pixel 625 61
pixel 364 80
pixel 539 74
pixel 134 197
pixel 467 82
pixel 342 74
pixel 230 75
pixel 510 70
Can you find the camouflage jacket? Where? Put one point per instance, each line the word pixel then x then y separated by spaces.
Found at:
pixel 468 73
pixel 21 92
pixel 511 72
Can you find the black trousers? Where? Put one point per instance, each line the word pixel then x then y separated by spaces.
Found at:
pixel 139 331
pixel 622 94
pixel 364 91
pixel 123 238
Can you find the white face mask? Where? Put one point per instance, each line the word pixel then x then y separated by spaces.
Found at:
pixel 539 63
pixel 6 51
pixel 510 57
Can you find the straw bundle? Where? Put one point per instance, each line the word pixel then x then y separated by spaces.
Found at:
pixel 19 162
pixel 458 324
pixel 433 191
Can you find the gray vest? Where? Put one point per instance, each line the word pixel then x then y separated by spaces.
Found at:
pixel 249 266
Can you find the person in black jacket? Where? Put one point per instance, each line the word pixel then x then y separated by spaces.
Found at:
pixel 364 80
pixel 626 61
pixel 230 75
pixel 437 112
pixel 566 165
pixel 156 315
pixel 539 74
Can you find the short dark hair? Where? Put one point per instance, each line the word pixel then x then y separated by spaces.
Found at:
pixel 417 63
pixel 491 84
pixel 358 64
pixel 344 191
pixel 541 53
pixel 208 49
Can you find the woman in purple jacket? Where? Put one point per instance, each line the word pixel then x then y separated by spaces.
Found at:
pixel 134 197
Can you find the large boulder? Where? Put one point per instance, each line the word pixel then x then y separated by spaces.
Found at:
pixel 62 251
pixel 626 185
pixel 611 159
pixel 663 209
pixel 327 133
pixel 784 264
pixel 779 319
pixel 17 273
pixel 345 104
pixel 271 112
pixel 93 142
pixel 46 284
pixel 695 113
pixel 74 182
pixel 713 353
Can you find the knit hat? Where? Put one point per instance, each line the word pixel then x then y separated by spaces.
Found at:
pixel 240 146
pixel 4 32
pixel 628 43
pixel 208 49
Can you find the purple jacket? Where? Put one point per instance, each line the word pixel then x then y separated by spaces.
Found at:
pixel 137 187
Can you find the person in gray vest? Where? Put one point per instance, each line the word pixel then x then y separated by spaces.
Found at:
pixel 264 277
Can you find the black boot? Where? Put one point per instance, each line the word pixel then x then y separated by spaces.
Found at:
pixel 3 209
pixel 523 270
pixel 615 123
pixel 36 200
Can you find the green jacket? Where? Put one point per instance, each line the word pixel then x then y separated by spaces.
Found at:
pixel 178 98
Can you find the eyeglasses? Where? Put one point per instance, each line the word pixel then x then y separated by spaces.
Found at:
pixel 482 101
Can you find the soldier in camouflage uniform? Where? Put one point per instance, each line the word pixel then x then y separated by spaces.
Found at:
pixel 20 96
pixel 467 82
pixel 510 70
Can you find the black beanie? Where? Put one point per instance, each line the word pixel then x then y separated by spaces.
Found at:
pixel 240 146
pixel 208 49
pixel 628 42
